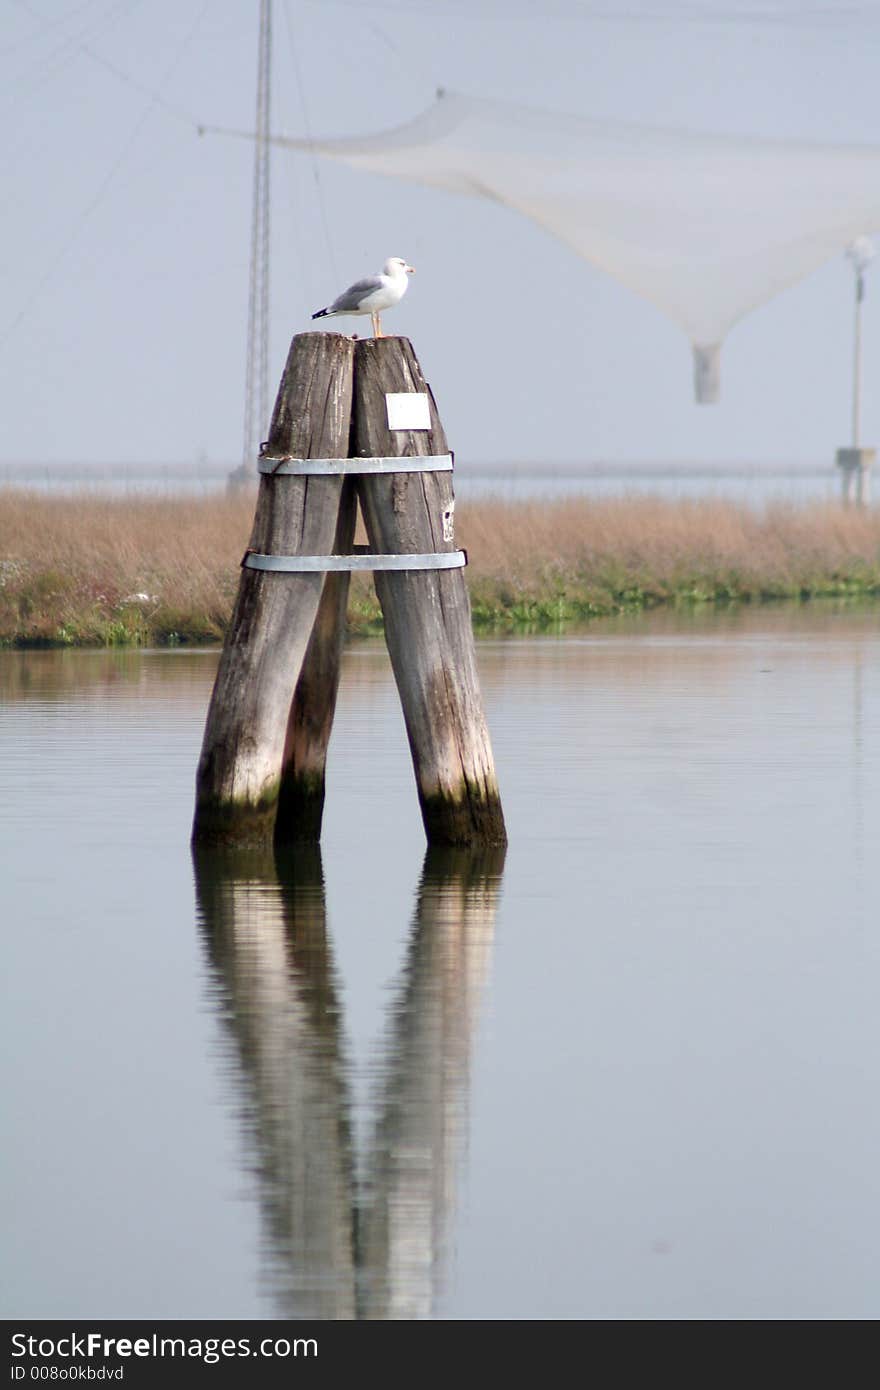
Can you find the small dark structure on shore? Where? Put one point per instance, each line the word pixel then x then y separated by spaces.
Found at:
pixel 353 422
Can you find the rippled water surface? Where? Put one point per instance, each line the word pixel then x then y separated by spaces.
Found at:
pixel 629 1072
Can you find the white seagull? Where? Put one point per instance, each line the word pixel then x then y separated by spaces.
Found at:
pixel 372 295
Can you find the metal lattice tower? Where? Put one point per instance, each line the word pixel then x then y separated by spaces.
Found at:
pixel 256 390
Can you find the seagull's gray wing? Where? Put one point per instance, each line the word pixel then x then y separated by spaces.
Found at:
pixel 356 293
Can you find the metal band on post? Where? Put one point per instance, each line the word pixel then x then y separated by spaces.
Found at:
pixel 363 559
pixel 427 463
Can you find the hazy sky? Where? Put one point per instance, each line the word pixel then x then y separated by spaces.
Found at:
pixel 123 287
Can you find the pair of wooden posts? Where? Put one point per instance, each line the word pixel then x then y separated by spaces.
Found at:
pixel 333 443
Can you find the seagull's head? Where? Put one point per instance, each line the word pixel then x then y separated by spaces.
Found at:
pixel 396 266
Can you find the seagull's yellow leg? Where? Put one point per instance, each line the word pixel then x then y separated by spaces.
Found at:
pixel 377 325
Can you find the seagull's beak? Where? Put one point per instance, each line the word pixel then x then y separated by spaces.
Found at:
pixel 410 269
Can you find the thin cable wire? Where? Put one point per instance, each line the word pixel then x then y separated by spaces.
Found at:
pixel 113 68
pixel 46 25
pixel 307 126
pixel 754 13
pixel 176 111
pixel 95 202
pixel 29 83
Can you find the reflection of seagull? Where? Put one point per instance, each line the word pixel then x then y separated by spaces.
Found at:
pixel 372 295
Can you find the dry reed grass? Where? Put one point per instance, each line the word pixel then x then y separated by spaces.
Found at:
pixel 86 568
pixel 94 569
pixel 611 553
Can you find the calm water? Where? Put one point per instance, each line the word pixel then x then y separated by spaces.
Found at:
pixel 631 1072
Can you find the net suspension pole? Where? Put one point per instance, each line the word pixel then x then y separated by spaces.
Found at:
pixel 857 360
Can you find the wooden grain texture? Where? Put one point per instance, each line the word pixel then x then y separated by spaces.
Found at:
pixel 301 798
pixel 427 613
pixel 239 774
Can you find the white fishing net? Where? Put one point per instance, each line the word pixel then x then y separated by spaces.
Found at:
pixel 706 227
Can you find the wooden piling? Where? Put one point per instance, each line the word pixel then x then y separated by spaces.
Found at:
pixel 240 770
pixel 427 613
pixel 301 798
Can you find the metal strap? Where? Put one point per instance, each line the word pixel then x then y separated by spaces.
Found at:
pixel 427 463
pixel 362 560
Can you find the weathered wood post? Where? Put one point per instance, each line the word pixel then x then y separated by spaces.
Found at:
pixel 301 799
pixel 426 611
pixel 240 770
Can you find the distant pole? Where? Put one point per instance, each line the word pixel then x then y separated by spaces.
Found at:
pixel 256 386
pixel 857 359
pixel 855 462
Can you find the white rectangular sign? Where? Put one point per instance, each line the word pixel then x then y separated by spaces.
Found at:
pixel 408 410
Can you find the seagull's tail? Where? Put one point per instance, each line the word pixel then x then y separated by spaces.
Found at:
pixel 321 314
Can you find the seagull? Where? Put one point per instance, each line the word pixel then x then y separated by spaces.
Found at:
pixel 372 295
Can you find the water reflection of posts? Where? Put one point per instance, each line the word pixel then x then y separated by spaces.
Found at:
pixel 337 1252
pixel 264 920
pixel 423 1086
